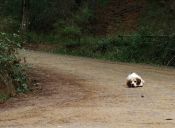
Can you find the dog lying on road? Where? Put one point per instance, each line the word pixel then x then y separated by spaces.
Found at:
pixel 134 80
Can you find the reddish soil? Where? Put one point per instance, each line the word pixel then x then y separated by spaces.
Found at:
pixel 120 17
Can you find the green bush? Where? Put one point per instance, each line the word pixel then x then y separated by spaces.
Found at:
pixel 71 32
pixel 157 18
pixel 3 98
pixel 136 48
pixel 8 24
pixel 102 2
pixel 83 18
pixel 76 25
pixel 11 71
pixel 41 38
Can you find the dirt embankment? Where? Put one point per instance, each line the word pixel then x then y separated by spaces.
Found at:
pixel 118 16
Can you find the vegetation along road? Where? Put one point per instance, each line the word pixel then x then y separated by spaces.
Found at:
pixel 75 92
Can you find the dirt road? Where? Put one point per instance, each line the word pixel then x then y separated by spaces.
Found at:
pixel 75 92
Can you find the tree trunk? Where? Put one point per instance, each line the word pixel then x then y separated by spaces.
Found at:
pixel 25 17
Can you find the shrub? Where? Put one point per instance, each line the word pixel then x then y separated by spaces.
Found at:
pixel 71 32
pixel 8 24
pixel 102 2
pixel 12 77
pixel 41 38
pixel 83 18
pixel 136 48
pixel 3 98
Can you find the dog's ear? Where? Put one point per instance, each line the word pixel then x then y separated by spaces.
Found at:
pixel 138 81
pixel 129 83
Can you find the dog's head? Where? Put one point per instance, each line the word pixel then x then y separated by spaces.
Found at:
pixel 134 82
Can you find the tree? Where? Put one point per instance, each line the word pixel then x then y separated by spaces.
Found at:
pixel 25 17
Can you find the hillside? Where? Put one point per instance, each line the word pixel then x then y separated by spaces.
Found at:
pixel 128 16
pixel 118 16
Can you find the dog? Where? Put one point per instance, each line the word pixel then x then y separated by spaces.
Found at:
pixel 134 80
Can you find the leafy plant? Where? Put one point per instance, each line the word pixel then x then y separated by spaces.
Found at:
pixel 103 2
pixel 11 72
pixel 72 32
pixel 3 98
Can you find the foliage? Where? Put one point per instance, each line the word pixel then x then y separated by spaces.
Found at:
pixel 9 63
pixel 136 48
pixel 36 38
pixel 8 24
pixel 76 25
pixel 71 23
pixel 83 18
pixel 102 2
pixel 157 18
pixel 10 15
pixel 71 32
pixel 10 8
pixel 3 98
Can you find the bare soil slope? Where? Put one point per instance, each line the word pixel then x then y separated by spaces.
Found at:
pixel 75 92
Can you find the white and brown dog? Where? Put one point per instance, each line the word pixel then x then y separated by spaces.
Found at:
pixel 134 80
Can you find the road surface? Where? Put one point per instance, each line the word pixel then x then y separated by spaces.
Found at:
pixel 76 92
